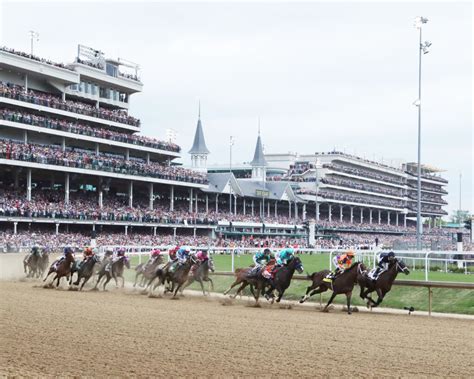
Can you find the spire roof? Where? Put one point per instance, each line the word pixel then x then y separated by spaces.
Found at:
pixel 199 144
pixel 258 157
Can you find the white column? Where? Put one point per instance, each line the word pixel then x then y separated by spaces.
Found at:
pixel 404 220
pixel 25 136
pixel 388 218
pixel 207 203
pixel 127 154
pixel 172 199
pixel 66 189
pixel 28 184
pixel 26 82
pixel 148 158
pixel 130 194
pixel 217 203
pixel 330 212
pixel 361 215
pixel 97 150
pixel 101 198
pixel 296 210
pixel 289 209
pixel 245 205
pixel 352 214
pixel 190 200
pixel 380 217
pixel 63 144
pixel 340 213
pixel 196 209
pixel 154 231
pixel 235 204
pixel 317 211
pixel 276 208
pixel 63 96
pixel 194 232
pixel 57 229
pixel 252 208
pixel 151 196
pixel 396 218
pixel 15 224
pixel 126 230
pixel 174 234
pixel 370 216
pixel 304 212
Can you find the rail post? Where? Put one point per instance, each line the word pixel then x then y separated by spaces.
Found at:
pixel 426 265
pixel 430 300
pixel 232 253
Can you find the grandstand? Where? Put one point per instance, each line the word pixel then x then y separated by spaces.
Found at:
pixel 73 161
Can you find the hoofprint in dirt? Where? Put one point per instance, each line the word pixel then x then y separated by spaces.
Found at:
pixel 147 329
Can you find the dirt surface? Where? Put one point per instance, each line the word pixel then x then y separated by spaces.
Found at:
pixel 122 333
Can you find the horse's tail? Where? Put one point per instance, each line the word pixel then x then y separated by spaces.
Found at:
pixel 309 276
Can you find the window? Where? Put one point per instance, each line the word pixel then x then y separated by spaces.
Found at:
pixel 111 70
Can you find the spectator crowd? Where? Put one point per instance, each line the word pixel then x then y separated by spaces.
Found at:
pixel 54 155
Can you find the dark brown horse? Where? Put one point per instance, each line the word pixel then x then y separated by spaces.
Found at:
pixel 36 263
pixel 200 273
pixel 344 283
pixel 113 270
pixel 282 277
pixel 243 277
pixel 383 284
pixel 147 271
pixel 84 270
pixel 176 278
pixel 61 268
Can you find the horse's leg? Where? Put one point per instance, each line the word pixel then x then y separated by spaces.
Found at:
pixel 108 280
pixel 177 289
pixel 46 277
pixel 329 302
pixel 241 288
pixel 211 283
pixel 348 298
pixel 237 281
pixel 306 296
pixel 380 295
pixel 123 281
pixel 202 287
pixel 98 280
pixel 59 278
pixel 136 278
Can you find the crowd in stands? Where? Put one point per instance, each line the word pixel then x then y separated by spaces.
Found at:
pixel 16 92
pixel 78 128
pixel 377 175
pixel 33 57
pixel 100 66
pixel 374 227
pixel 436 178
pixel 362 186
pixel 50 154
pixel 355 198
pixel 427 187
pixel 427 208
pixel 426 197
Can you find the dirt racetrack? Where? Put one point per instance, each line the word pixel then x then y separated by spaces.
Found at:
pixel 121 333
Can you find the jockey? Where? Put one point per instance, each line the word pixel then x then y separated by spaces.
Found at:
pixel 284 256
pixel 202 256
pixel 119 255
pixel 172 253
pixel 383 260
pixel 88 253
pixel 260 260
pixel 155 255
pixel 67 250
pixel 342 262
pixel 182 256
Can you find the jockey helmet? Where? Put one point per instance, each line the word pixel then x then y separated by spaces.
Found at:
pixel 391 255
pixel 350 253
pixel 121 250
pixel 88 250
pixel 267 251
pixel 67 249
pixel 187 250
pixel 155 252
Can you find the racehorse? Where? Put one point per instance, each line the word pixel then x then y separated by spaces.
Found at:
pixel 84 270
pixel 344 283
pixel 62 268
pixel 42 263
pixel 147 271
pixel 383 284
pixel 201 274
pixel 35 264
pixel 282 277
pixel 113 270
pixel 243 278
pixel 176 278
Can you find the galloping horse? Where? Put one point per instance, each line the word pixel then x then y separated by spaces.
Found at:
pixel 201 274
pixel 62 268
pixel 115 271
pixel 254 281
pixel 383 284
pixel 84 270
pixel 147 271
pixel 343 283
pixel 177 278
pixel 282 278
pixel 35 264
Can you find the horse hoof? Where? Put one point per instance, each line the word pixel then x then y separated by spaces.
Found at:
pixel 325 310
pixel 94 289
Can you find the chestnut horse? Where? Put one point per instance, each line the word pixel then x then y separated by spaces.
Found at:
pixel 344 283
pixel 383 284
pixel 62 268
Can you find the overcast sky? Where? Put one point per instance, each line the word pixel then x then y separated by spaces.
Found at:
pixel 319 75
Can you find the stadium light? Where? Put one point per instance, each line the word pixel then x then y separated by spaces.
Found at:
pixel 33 36
pixel 423 48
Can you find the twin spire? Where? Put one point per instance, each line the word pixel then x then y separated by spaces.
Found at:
pixel 199 145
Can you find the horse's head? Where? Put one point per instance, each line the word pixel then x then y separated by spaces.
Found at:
pixel 96 258
pixel 401 266
pixel 126 261
pixel 298 265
